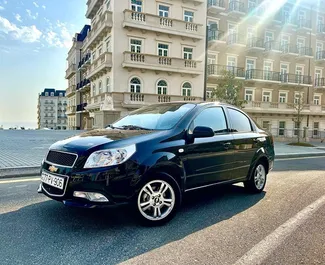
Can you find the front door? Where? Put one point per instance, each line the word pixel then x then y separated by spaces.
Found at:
pixel 209 160
pixel 246 142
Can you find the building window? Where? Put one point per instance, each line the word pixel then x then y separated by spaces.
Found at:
pixel 266 96
pixel 282 126
pixel 316 128
pixel 298 98
pixel 188 53
pixel 265 125
pixel 94 56
pixel 163 11
pixel 135 45
pixel 61 95
pixel 100 87
pixel 136 5
pixel 211 59
pixel 162 87
pixel 135 85
pixel 108 44
pixel 316 99
pixel 162 49
pixel 268 67
pixel 297 127
pixel 108 84
pixel 186 89
pixel 249 95
pixel 188 16
pixel 46 95
pixel 94 89
pixel 283 97
pixel 100 50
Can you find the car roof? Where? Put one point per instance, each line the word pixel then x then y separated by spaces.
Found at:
pixel 199 103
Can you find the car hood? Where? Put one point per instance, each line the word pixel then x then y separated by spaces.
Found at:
pixel 96 138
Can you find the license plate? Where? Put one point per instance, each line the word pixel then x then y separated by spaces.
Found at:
pixel 52 180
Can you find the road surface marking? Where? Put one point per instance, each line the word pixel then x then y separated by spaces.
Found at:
pixel 299 158
pixel 18 180
pixel 266 246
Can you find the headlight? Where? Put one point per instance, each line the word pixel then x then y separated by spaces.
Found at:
pixel 110 157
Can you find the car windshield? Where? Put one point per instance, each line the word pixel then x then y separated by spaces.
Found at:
pixel 155 117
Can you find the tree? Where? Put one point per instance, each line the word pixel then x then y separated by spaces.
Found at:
pixel 228 89
pixel 298 106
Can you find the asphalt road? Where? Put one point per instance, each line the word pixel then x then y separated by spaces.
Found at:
pixel 224 225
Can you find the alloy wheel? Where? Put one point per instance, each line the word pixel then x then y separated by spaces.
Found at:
pixel 259 177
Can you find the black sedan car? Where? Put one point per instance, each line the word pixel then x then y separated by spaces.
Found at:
pixel 151 157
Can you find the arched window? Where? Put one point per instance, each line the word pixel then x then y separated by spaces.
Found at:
pixel 186 89
pixel 135 85
pixel 162 87
pixel 94 89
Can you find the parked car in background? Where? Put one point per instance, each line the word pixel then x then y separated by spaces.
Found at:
pixel 153 156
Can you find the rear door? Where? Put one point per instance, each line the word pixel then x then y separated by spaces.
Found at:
pixel 245 141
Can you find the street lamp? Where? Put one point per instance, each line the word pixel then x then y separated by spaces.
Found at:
pixel 213 28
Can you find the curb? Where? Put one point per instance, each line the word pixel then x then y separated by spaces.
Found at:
pixel 19 172
pixel 299 155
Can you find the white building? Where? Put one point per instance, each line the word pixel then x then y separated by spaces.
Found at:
pixel 51 109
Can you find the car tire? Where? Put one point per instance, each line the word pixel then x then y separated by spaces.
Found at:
pixel 257 180
pixel 157 200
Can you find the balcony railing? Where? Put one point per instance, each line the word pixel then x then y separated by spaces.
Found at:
pixel 304 23
pixel 256 10
pixel 289 49
pixel 236 39
pixel 254 42
pixel 262 75
pixel 285 19
pixel 70 90
pixel 320 82
pixel 166 25
pixel 70 71
pixel 161 63
pixel 83 83
pixel 81 107
pixel 237 6
pixel 272 46
pixel 305 51
pixel 216 3
pixel 84 60
pixel 321 28
pixel 216 35
pixel 93 7
pixel 320 55
pixel 295 79
pixel 219 70
pixel 100 65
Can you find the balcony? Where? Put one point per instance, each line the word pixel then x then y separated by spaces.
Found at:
pixel 100 66
pixel 49 103
pixel 70 71
pixel 288 51
pixel 71 90
pixel 236 40
pixel 272 46
pixel 262 75
pixel 304 52
pixel 236 8
pixel 93 7
pixel 255 11
pixel 137 100
pixel 320 56
pixel 100 26
pixel 83 84
pixel 216 37
pixel 293 79
pixel 81 107
pixel 321 29
pixel 159 63
pixel 216 6
pixel 282 19
pixel 304 25
pixel 269 107
pixel 217 70
pixel 255 44
pixel 71 110
pixel 85 61
pixel 150 22
pixel 320 82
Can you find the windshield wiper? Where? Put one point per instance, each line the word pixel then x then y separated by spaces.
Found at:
pixel 133 127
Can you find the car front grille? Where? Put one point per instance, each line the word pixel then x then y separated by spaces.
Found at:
pixel 61 158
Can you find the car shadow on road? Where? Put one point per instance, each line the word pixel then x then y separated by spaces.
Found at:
pixel 49 231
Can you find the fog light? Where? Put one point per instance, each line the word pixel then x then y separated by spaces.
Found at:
pixel 90 196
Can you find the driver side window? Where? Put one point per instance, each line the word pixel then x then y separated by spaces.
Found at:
pixel 213 118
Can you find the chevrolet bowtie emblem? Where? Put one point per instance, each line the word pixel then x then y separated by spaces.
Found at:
pixel 53 169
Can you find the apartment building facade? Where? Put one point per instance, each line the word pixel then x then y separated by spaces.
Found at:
pixel 138 52
pixel 279 54
pixel 51 109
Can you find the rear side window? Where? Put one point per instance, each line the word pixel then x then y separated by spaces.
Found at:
pixel 239 121
pixel 213 118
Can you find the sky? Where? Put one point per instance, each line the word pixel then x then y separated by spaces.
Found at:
pixel 35 37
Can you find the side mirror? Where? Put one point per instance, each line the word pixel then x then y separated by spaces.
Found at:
pixel 202 132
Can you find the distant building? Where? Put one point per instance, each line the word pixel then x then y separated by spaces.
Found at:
pixel 51 109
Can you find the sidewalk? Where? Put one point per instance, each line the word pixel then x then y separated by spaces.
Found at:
pixel 21 152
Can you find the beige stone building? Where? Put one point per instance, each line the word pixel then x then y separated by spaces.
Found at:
pixel 279 53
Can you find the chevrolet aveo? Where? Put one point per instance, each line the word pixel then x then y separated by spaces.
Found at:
pixel 153 156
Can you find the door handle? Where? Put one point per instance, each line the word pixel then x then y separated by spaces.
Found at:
pixel 226 145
